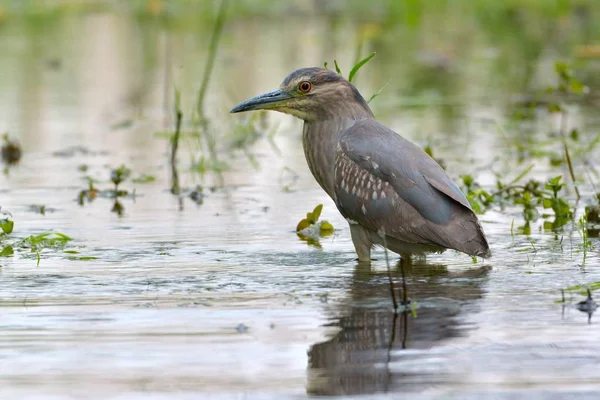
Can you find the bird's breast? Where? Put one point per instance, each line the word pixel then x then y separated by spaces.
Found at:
pixel 319 142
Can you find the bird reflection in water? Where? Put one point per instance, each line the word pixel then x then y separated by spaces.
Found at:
pixel 356 360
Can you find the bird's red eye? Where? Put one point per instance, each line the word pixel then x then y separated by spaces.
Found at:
pixel 305 86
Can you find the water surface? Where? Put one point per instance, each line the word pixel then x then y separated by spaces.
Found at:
pixel 223 300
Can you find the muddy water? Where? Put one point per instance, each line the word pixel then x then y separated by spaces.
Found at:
pixel 223 300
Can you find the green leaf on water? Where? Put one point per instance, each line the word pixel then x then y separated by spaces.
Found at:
pixel 309 218
pixel 7 251
pixel 82 258
pixel 7 226
pixel 359 66
pixel 326 228
pixel 302 225
pixel 547 203
pixel 118 175
pixel 316 213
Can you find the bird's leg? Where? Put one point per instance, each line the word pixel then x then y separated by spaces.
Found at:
pixel 404 261
pixel 362 243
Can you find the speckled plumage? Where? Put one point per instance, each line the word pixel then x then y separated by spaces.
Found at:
pixel 388 189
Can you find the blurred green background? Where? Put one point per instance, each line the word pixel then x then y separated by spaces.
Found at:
pixel 72 69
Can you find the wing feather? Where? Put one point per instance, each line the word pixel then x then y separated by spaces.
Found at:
pixel 384 181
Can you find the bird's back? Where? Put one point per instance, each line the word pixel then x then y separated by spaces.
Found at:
pixel 409 196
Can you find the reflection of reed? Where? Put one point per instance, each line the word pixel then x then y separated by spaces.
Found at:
pixel 352 362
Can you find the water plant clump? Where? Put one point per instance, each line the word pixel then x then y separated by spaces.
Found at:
pixel 311 228
pixel 118 176
pixel 11 150
pixel 533 196
pixel 31 246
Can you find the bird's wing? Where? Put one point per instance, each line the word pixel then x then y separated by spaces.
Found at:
pixel 384 181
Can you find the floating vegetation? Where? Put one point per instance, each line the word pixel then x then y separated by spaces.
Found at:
pixel 11 150
pixel 310 229
pixel 117 177
pixel 532 196
pixel 39 209
pixel 33 244
pixel 46 240
pixel 88 194
pixel 6 223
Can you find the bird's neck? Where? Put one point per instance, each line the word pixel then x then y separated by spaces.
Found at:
pixel 319 139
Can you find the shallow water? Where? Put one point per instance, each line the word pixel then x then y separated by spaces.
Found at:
pixel 223 300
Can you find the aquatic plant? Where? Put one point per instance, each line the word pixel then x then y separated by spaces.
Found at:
pixel 312 220
pixel 199 119
pixel 118 176
pixel 37 243
pixel 586 244
pixel 175 188
pixel 310 229
pixel 31 244
pixel 10 150
pixel 6 223
pixel 567 85
pixel 532 196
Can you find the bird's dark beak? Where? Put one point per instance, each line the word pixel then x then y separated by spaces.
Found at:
pixel 265 101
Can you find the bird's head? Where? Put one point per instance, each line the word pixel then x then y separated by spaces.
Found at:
pixel 311 94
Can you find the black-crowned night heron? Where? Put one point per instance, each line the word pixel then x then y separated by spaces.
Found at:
pixel 389 190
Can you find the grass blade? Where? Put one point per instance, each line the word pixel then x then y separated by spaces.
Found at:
pixel 212 54
pixel 377 93
pixel 359 65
